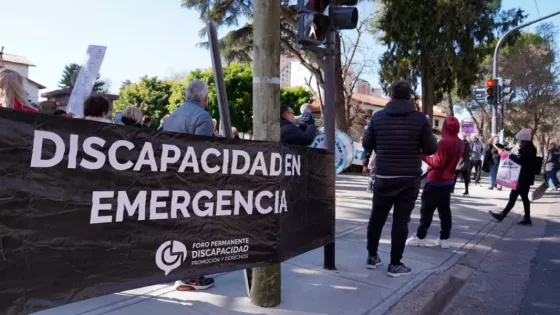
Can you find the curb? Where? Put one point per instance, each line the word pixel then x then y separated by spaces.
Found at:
pixel 433 294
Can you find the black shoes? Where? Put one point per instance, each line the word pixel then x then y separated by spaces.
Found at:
pixel 373 262
pixel 525 221
pixel 498 216
pixel 398 270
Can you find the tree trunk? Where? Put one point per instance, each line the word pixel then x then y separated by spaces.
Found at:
pixel 339 100
pixel 476 122
pixel 266 281
pixel 449 104
pixel 428 94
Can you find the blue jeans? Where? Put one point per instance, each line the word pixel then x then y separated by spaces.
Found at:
pixel 552 179
pixel 493 174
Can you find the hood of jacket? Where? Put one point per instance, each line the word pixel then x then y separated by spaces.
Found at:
pixel 397 107
pixel 451 127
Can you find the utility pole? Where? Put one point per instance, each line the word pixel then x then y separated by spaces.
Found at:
pixel 265 281
pixel 495 105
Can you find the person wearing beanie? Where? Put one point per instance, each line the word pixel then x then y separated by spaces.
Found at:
pixel 439 184
pixel 527 158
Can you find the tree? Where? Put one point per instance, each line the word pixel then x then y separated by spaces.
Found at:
pixel 125 83
pixel 424 42
pixel 294 96
pixel 150 95
pixel 533 66
pixel 237 45
pixel 66 80
pixel 238 78
pixel 356 60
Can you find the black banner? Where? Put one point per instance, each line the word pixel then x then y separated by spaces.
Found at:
pixel 88 208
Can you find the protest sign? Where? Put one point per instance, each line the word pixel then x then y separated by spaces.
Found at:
pixel 86 79
pixel 508 172
pixel 88 209
pixel 468 128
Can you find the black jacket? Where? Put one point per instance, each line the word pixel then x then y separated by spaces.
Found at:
pixel 399 135
pixel 527 158
pixel 290 133
pixel 491 155
pixel 465 162
pixel 129 122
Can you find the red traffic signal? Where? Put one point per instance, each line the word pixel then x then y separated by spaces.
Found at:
pixel 490 83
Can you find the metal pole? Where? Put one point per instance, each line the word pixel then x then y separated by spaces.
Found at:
pixel 329 91
pixel 223 107
pixel 495 64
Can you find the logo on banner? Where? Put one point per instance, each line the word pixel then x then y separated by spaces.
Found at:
pixel 170 255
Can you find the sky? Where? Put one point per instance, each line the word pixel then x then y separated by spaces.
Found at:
pixel 143 37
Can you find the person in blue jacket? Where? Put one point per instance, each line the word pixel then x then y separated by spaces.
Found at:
pixel 291 133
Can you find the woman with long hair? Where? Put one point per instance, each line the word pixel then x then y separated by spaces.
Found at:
pixel 12 92
pixel 527 158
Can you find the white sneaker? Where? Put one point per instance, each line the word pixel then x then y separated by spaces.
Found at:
pixel 442 243
pixel 415 241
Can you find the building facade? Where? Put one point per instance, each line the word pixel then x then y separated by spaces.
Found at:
pixel 21 65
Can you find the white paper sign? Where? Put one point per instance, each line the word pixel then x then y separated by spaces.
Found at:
pixel 86 79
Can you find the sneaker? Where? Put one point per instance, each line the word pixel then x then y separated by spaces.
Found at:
pixel 490 188
pixel 373 262
pixel 398 270
pixel 442 243
pixel 465 194
pixel 200 283
pixel 499 188
pixel 415 241
pixel 498 216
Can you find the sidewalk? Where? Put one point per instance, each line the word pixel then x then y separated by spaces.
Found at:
pixel 309 289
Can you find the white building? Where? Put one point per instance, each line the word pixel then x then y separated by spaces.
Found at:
pixel 21 65
pixel 293 74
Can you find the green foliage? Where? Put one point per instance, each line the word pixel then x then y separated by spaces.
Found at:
pixel 294 96
pixel 441 41
pixel 158 98
pixel 66 80
pixel 150 95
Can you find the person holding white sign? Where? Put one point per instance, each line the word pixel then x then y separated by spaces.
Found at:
pixel 527 159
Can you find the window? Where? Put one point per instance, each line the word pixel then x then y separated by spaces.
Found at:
pixel 436 123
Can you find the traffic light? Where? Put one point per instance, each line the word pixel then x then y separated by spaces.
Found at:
pixel 345 16
pixel 313 26
pixel 314 23
pixel 506 92
pixel 490 91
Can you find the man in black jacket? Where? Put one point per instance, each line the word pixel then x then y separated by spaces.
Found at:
pixel 399 135
pixel 290 133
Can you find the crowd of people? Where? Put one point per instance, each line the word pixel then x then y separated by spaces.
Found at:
pixel 397 141
pixel 401 139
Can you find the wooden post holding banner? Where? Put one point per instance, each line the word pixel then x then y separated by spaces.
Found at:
pixel 223 106
pixel 86 79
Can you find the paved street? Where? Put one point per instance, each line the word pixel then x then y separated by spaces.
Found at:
pixel 306 287
pixel 521 275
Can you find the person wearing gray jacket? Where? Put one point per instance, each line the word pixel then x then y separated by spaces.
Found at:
pixel 477 152
pixel 192 117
